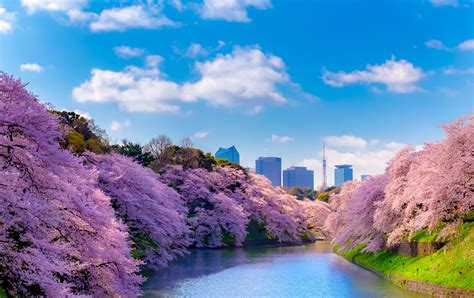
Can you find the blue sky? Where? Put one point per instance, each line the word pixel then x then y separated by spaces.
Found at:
pixel 273 78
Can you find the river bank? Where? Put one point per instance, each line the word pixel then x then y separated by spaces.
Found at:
pixel 449 272
pixel 285 271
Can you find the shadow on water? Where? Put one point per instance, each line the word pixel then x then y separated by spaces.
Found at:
pixel 288 271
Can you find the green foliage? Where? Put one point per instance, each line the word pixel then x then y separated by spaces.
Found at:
pixel 451 266
pixel 142 242
pixel 323 197
pixel 2 293
pixel 135 151
pixel 221 162
pixel 332 189
pixel 228 238
pixel 257 231
pixel 302 192
pixel 206 161
pixel 82 134
pixel 75 141
pixel 424 235
pixel 469 217
pixel 350 254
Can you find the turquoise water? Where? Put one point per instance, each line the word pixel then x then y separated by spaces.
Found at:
pixel 295 271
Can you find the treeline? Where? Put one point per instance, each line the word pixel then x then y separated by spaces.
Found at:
pixel 429 190
pixel 302 193
pixel 79 216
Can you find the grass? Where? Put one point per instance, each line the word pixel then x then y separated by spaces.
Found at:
pixel 453 265
pixel 424 235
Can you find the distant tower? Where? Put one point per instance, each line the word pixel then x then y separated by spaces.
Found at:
pixel 325 178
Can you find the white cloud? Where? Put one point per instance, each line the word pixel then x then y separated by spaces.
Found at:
pixel 178 4
pixel 6 21
pixel 456 71
pixel 196 50
pixel 80 16
pixel 53 5
pixel 153 61
pixel 32 67
pixel 281 139
pixel 399 76
pixel 130 17
pixel 201 134
pixel 132 91
pixel 116 125
pixel 128 52
pixel 439 3
pixel 436 44
pixel 231 10
pixel 369 160
pixel 73 9
pixel 467 45
pixel 147 16
pixel 395 146
pixel 246 77
pixel 345 141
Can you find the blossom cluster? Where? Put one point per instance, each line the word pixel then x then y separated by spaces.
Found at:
pixel 431 188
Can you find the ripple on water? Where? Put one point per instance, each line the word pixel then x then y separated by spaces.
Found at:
pixel 293 271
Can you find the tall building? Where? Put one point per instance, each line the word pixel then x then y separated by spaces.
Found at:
pixel 231 154
pixel 324 186
pixel 269 167
pixel 298 177
pixel 342 173
pixel 364 177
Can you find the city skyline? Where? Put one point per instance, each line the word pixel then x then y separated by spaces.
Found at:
pixel 148 75
pixel 232 154
pixel 270 167
pixel 298 177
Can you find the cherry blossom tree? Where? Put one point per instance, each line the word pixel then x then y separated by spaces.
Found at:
pixel 154 212
pixel 357 215
pixel 215 219
pixel 338 202
pixel 58 233
pixel 430 186
pixel 388 216
pixel 454 181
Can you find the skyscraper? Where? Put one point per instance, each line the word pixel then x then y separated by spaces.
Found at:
pixel 325 177
pixel 342 173
pixel 298 177
pixel 269 167
pixel 231 154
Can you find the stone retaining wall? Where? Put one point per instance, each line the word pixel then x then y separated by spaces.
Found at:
pixel 415 248
pixel 423 287
pixel 430 289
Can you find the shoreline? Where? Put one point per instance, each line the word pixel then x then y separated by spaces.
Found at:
pixel 418 286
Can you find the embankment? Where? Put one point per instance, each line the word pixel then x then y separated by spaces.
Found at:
pixel 448 272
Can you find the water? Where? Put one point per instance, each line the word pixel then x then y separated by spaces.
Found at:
pixel 296 271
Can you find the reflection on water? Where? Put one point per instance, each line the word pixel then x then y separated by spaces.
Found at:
pixel 293 271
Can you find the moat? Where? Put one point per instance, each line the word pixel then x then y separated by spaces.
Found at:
pixel 292 271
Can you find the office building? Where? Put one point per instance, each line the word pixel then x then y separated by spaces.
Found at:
pixel 298 177
pixel 342 173
pixel 269 167
pixel 231 154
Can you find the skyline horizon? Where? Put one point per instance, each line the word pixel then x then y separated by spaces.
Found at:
pixel 271 77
